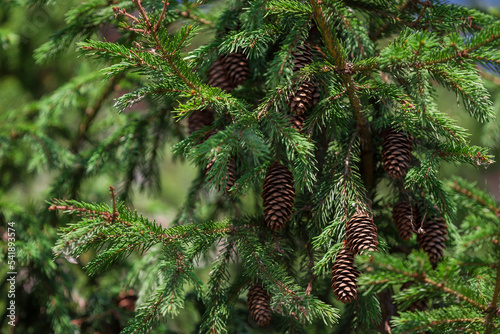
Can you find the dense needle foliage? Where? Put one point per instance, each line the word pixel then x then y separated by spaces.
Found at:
pixel 367 135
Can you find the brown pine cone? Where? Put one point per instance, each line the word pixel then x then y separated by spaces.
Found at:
pixel 199 119
pixel 298 122
pixel 258 305
pixel 126 300
pixel 396 153
pixel 236 67
pixel 302 57
pixel 345 276
pixel 231 174
pixel 303 98
pixel 361 233
pixel 217 77
pixel 435 233
pixel 404 216
pixel 278 196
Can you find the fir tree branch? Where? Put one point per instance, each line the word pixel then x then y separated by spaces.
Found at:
pixel 345 70
pixel 481 201
pixel 375 36
pixel 187 14
pixel 442 286
pixel 442 322
pixel 493 309
pixel 422 277
pixel 91 113
pixel 164 54
pixel 162 15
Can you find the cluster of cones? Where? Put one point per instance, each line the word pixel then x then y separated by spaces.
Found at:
pixel 361 232
pixel 431 229
pixel 278 193
pixel 225 73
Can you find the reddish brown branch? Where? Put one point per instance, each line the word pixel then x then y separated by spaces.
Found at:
pixel 469 194
pixel 187 14
pixel 441 322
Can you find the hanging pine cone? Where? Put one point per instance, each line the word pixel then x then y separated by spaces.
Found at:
pixel 236 67
pixel 344 276
pixel 230 174
pixel 199 119
pixel 298 122
pixel 302 57
pixel 217 77
pixel 303 98
pixel 258 305
pixel 404 216
pixel 396 153
pixel 278 196
pixel 361 233
pixel 435 232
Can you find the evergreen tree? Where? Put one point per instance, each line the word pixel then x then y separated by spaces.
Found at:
pixel 324 109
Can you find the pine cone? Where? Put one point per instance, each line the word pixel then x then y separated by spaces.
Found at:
pixel 404 216
pixel 230 175
pixel 278 196
pixel 432 239
pixel 217 77
pixel 396 153
pixel 236 68
pixel 298 122
pixel 344 276
pixel 303 98
pixel 302 57
pixel 126 300
pixel 199 119
pixel 361 233
pixel 258 305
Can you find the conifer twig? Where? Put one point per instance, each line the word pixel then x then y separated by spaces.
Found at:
pixel 442 322
pixel 383 28
pixel 164 54
pixel 493 310
pixel 162 15
pixel 92 111
pixel 422 277
pixel 469 194
pixel 187 14
pixel 345 71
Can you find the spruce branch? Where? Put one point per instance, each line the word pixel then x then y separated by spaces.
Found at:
pixel 442 322
pixel 423 277
pixel 152 30
pixel 376 35
pixel 476 198
pixel 91 113
pixel 189 15
pixel 493 309
pixel 345 70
